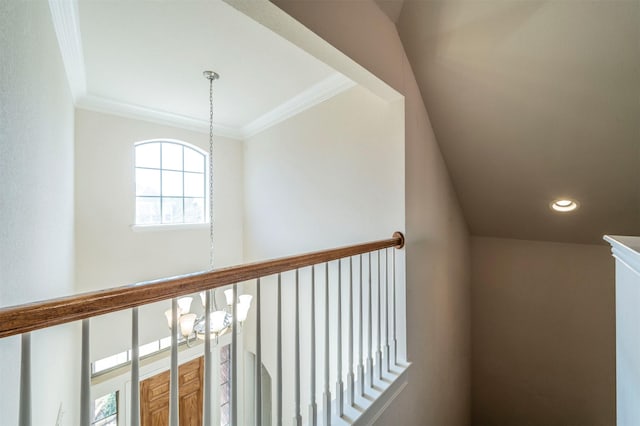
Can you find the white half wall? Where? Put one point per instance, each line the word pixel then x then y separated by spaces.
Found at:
pixel 110 253
pixel 36 210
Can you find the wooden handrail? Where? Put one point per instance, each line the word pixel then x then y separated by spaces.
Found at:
pixel 20 319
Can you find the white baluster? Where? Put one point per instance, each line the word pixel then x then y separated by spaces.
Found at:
pixel 279 354
pixel 135 369
pixel 297 420
pixel 350 378
pixel 258 368
pixel 370 331
pixel 313 408
pixel 208 361
pixel 339 385
pixel 379 341
pixel 85 375
pixel 234 358
pixel 24 416
pixel 326 396
pixel 386 310
pixel 360 337
pixel 395 341
pixel 173 391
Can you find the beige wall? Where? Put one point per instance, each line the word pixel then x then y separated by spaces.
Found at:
pixel 543 327
pixel 437 238
pixel 36 208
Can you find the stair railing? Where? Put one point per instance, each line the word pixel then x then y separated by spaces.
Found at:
pixel 373 286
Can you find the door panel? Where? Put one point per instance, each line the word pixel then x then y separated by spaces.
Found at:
pixel 154 396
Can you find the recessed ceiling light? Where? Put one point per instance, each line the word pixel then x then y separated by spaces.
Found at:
pixel 564 205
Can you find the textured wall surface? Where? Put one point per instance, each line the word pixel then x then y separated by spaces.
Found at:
pixel 36 206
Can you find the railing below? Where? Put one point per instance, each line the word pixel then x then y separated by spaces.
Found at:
pixel 366 274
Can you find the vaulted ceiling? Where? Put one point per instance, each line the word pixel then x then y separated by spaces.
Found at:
pixel 532 101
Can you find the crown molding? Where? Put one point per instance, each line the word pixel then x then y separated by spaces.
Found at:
pixel 66 23
pixel 319 92
pixel 128 110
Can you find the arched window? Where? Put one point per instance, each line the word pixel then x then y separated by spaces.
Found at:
pixel 170 183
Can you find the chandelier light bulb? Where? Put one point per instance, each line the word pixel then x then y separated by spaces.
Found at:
pixel 186 324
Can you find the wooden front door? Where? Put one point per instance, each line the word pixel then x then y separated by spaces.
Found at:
pixel 154 396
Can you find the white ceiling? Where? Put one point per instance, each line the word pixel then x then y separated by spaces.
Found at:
pixel 146 58
pixel 533 100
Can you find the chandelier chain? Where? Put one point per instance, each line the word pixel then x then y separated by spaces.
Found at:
pixel 211 250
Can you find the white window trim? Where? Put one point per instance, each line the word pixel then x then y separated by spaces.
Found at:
pixel 169 227
pixel 172 226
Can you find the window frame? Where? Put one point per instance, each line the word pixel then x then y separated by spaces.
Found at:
pixel 170 226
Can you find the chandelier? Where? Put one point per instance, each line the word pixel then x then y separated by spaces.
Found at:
pixel 191 325
pixel 220 321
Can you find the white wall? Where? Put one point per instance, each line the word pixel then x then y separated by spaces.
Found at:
pixel 110 253
pixel 437 253
pixel 330 176
pixel 36 210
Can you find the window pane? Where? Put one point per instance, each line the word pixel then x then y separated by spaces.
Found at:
pixel 225 372
pixel 225 393
pixel 110 362
pixel 147 182
pixel 148 155
pixel 109 421
pixel 194 184
pixel 194 210
pixel 172 210
pixel 165 343
pixel 105 406
pixel 149 348
pixel 225 415
pixel 171 184
pixel 171 156
pixel 193 160
pixel 225 353
pixel 147 210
